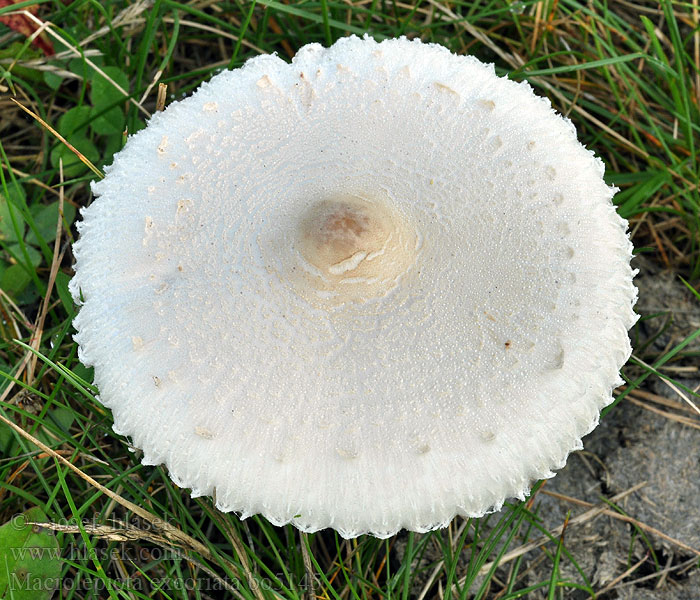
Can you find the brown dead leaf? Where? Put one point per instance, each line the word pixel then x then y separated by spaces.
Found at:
pixel 22 24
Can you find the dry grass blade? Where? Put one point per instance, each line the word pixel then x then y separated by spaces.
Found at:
pixel 671 416
pixel 555 533
pixel 304 540
pixel 660 400
pixel 129 16
pixel 33 180
pixel 626 519
pixel 124 533
pixel 173 535
pixel 685 398
pixel 219 32
pixel 129 533
pixel 35 340
pixel 77 53
pixel 684 565
pixel 513 60
pixel 238 546
pixel 438 567
pixel 58 136
pixel 12 318
pixel 162 93
pixel 624 575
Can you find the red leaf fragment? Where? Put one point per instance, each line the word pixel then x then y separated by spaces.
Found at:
pixel 24 25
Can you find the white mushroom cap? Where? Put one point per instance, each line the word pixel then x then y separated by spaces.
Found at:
pixel 368 290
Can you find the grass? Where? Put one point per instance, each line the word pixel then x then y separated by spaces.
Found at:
pixel 626 73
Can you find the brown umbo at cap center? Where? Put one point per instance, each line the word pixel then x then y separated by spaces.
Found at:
pixel 354 248
pixel 343 237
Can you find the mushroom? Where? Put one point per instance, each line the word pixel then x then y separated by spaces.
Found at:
pixel 370 290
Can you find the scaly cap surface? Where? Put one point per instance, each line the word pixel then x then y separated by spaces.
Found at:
pixel 368 290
